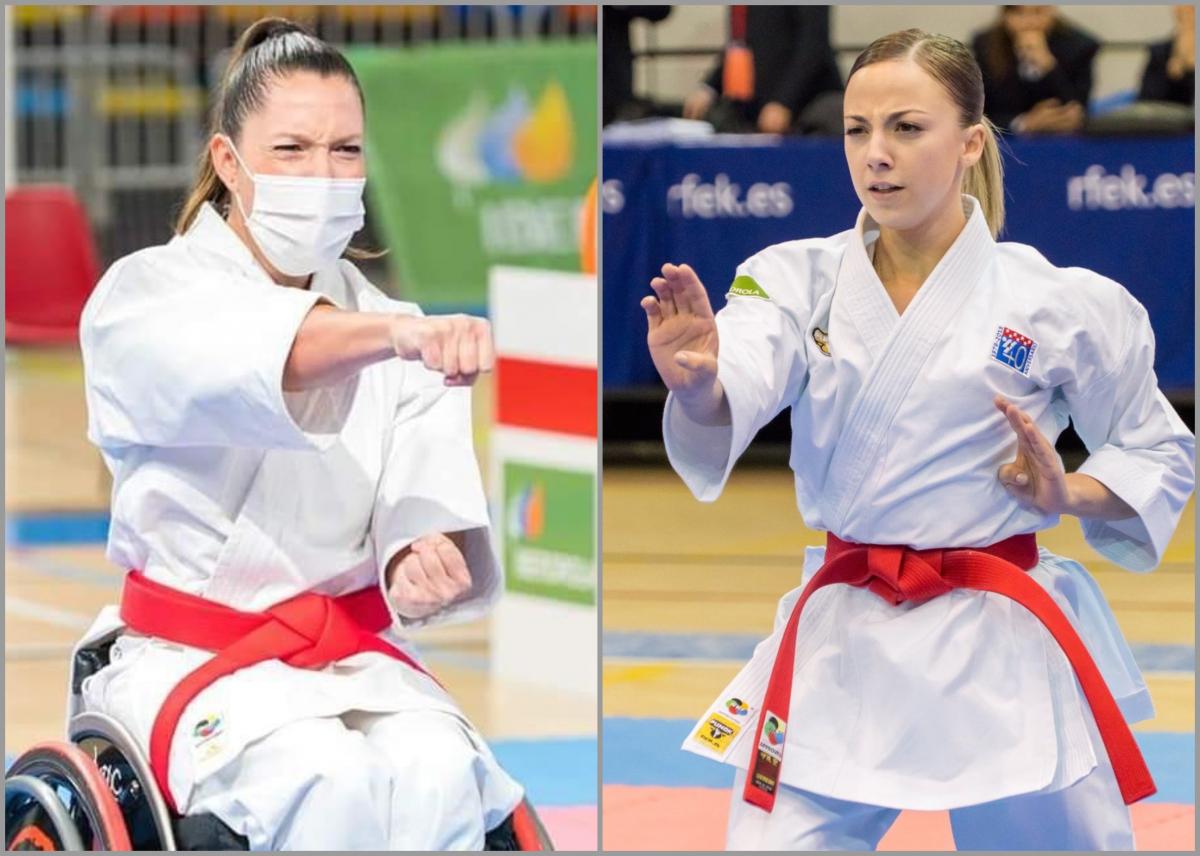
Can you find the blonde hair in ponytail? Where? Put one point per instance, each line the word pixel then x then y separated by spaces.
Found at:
pixel 269 48
pixel 949 62
pixel 985 180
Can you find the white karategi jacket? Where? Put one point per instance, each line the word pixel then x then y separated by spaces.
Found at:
pixel 225 486
pixel 895 440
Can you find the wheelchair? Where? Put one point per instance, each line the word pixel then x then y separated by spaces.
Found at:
pixel 96 791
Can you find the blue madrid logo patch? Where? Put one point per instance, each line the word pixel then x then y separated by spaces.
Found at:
pixel 1013 349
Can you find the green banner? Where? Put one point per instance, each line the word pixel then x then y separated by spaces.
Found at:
pixel 477 155
pixel 549 532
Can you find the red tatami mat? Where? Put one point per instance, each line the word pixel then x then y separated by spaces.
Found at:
pixel 661 818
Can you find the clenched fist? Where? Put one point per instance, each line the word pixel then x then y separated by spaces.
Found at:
pixel 427 575
pixel 458 346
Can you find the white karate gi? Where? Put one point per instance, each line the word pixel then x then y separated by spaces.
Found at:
pixel 965 699
pixel 228 487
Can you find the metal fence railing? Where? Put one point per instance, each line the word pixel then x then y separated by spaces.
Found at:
pixel 112 100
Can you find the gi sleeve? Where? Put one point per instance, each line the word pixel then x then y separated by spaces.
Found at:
pixel 178 358
pixel 762 366
pixel 431 484
pixel 1139 447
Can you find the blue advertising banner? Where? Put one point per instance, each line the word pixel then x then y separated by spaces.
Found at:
pixel 1123 208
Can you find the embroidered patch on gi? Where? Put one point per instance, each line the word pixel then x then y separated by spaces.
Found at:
pixel 822 340
pixel 208 728
pixel 716 732
pixel 773 735
pixel 737 708
pixel 208 738
pixel 1013 349
pixel 747 286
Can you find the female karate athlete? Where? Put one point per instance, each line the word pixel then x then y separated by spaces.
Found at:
pixel 928 369
pixel 289 443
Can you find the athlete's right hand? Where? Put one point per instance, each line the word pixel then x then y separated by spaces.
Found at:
pixel 458 346
pixel 683 338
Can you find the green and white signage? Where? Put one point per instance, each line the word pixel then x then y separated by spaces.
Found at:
pixel 478 155
pixel 549 540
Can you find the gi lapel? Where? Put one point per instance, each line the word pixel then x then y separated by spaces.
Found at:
pixel 252 556
pixel 861 295
pixel 902 345
pixel 248 559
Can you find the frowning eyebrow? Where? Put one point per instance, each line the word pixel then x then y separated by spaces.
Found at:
pixel 890 118
pixel 301 138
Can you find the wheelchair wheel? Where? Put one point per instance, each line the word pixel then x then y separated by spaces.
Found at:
pixel 34 819
pixel 121 764
pixel 89 816
pixel 521 830
pixel 528 829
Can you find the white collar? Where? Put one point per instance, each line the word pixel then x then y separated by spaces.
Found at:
pixel 211 232
pixel 958 271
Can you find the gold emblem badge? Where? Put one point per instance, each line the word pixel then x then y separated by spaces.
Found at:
pixel 822 340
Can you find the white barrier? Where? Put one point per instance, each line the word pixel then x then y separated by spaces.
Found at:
pixel 544 462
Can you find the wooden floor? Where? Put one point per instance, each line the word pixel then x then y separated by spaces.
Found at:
pixel 672 564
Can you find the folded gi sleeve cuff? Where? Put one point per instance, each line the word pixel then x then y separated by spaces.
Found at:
pixel 698 453
pixel 1136 543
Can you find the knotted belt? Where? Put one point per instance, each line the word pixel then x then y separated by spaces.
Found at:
pixel 308 631
pixel 898 574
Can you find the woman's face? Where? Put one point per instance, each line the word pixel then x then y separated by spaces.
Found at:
pixel 906 150
pixel 1025 19
pixel 308 125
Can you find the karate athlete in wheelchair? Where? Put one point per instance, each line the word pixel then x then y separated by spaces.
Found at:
pixel 294 484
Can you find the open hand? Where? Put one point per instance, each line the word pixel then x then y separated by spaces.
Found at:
pixel 683 331
pixel 427 575
pixel 1035 479
pixel 458 346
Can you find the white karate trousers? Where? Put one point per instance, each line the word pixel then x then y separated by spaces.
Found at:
pixel 396 781
pixel 1088 815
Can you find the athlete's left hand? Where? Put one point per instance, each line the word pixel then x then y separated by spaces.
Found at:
pixel 427 575
pixel 1036 478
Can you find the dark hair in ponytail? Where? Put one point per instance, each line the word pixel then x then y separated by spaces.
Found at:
pixel 268 49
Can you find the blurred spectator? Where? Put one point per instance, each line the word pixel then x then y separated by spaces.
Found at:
pixel 1170 73
pixel 1037 70
pixel 797 86
pixel 618 100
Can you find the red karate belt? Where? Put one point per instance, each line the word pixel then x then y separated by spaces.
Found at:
pixel 308 631
pixel 899 574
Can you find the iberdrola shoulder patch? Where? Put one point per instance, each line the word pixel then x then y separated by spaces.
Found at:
pixel 747 286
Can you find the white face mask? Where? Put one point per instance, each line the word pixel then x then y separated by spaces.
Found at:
pixel 302 223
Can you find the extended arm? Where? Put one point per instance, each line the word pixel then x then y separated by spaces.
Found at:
pixel 333 344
